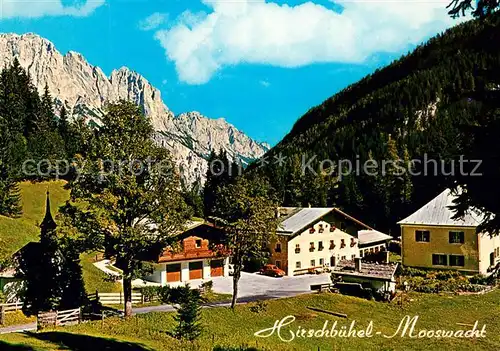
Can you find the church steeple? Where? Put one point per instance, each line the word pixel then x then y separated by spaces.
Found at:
pixel 48 223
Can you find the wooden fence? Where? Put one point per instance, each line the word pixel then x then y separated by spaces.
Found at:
pixel 9 307
pixel 115 298
pixel 59 318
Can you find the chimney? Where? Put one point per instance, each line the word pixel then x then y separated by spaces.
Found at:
pixel 357 264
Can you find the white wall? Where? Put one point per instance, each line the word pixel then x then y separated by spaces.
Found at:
pixel 226 267
pixel 206 269
pixel 184 271
pixel 487 245
pixel 305 256
pixel 160 273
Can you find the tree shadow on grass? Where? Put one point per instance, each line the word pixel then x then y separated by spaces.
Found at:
pixel 4 346
pixel 80 342
pixel 241 348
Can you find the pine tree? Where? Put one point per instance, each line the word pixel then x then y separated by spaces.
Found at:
pixel 9 189
pixel 193 196
pixel 47 120
pixel 188 315
pixel 63 124
pixel 221 171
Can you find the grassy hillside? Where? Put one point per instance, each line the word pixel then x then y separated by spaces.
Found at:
pixel 223 327
pixel 17 232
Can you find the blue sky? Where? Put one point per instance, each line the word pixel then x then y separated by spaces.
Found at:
pixel 259 64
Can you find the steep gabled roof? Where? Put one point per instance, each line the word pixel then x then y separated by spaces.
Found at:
pixel 438 212
pixel 381 271
pixel 299 218
pixel 372 236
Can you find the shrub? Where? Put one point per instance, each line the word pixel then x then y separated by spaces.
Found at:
pixel 259 307
pixel 479 279
pixel 413 272
pixel 151 293
pixel 207 286
pixel 445 275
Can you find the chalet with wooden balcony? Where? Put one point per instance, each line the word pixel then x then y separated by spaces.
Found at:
pixel 198 255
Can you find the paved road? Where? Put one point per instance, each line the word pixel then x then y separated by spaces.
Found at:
pixel 18 328
pixel 257 286
pixel 252 287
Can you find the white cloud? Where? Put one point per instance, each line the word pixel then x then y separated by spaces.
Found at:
pixel 153 21
pixel 260 32
pixel 41 8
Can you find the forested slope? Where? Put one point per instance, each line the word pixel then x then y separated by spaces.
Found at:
pixel 415 108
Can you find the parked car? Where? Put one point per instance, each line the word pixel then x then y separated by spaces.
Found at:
pixel 272 271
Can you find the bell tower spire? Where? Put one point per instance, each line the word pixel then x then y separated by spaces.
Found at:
pixel 48 223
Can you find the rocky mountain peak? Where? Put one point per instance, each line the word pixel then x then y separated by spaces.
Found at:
pixel 84 89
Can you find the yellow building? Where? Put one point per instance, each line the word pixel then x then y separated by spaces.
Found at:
pixel 312 238
pixel 431 238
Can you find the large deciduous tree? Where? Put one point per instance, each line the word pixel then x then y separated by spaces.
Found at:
pixel 480 9
pixel 476 180
pixel 247 214
pixel 130 191
pixel 221 171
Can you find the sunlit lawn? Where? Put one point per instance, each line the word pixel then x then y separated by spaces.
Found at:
pixel 228 328
pixel 17 232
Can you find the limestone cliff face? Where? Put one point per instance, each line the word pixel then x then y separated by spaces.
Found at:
pixel 84 90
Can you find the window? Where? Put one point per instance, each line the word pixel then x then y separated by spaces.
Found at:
pixel 311 246
pixel 321 230
pixel 332 244
pixel 297 265
pixel 278 247
pixel 313 263
pixel 353 257
pixel 423 236
pixel 376 249
pixel 457 260
pixel 456 237
pixel 321 261
pixel 312 230
pixel 320 246
pixel 342 243
pixel 439 260
pixel 198 243
pixel 297 248
pixel 360 253
pixel 332 228
pixel 343 258
pixel 353 242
